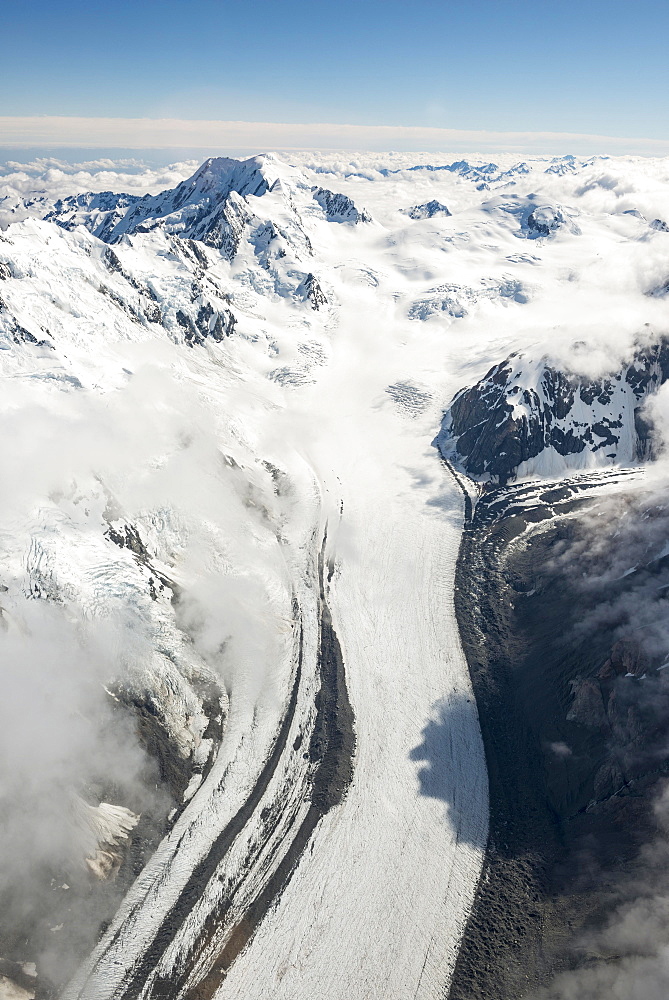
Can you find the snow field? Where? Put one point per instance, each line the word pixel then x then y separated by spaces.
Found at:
pixel 377 907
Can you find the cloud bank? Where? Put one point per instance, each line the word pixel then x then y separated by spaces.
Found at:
pixel 164 133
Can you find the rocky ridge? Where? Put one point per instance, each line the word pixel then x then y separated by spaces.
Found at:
pixel 528 417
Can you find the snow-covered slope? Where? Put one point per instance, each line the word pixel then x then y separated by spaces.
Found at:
pixel 226 526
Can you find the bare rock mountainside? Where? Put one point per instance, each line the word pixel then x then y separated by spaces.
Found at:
pixel 299 700
pixel 527 417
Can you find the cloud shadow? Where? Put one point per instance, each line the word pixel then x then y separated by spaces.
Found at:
pixel 453 769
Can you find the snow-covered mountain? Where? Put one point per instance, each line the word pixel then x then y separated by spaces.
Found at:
pixel 427 211
pixel 527 417
pixel 212 205
pixel 227 549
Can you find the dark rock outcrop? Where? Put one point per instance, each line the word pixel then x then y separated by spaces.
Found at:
pixel 561 165
pixel 311 291
pixel 536 220
pixel 544 220
pixel 99 212
pixel 207 323
pixel 18 333
pixel 427 210
pixel 524 411
pixel 339 207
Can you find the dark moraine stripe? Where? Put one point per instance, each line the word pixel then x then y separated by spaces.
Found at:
pixel 331 751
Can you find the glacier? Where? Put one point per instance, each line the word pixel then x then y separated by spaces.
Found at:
pixel 219 405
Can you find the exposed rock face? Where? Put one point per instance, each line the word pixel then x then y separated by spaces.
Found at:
pixel 659 291
pixel 481 174
pixel 427 211
pixel 339 207
pixel 216 218
pixel 149 307
pixel 312 292
pixel 527 417
pixel 10 326
pixel 100 213
pixel 227 209
pixel 208 322
pixel 214 213
pixel 628 659
pixel 545 219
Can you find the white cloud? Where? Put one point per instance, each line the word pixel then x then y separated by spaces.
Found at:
pixel 160 133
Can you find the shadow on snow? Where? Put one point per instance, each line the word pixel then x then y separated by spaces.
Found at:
pixel 451 770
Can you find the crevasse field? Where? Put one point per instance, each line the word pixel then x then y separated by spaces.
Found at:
pixel 221 500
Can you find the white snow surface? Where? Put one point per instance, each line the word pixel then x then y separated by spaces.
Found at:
pixel 393 936
pixel 187 388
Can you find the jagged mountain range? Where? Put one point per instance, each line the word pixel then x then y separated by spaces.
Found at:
pixel 199 223
pixel 210 206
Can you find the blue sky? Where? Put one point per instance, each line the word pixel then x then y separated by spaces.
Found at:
pixel 551 65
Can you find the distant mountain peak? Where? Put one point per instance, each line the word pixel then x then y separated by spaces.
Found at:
pixel 339 207
pixel 427 210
